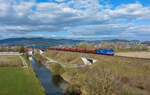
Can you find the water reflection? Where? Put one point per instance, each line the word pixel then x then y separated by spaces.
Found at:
pixel 39 65
pixel 53 84
pixel 57 80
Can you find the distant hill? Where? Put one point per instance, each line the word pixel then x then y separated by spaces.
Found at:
pixel 37 42
pixel 46 42
pixel 116 40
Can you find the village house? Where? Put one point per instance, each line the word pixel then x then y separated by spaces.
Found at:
pixel 29 51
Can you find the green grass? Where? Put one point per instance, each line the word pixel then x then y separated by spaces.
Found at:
pixel 128 76
pixel 17 80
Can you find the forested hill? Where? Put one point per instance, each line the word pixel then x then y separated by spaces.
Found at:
pixel 46 42
pixel 37 42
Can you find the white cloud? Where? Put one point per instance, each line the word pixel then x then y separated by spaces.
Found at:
pixel 108 31
pixel 60 0
pixel 80 17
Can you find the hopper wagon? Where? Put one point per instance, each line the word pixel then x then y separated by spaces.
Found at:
pixel 84 50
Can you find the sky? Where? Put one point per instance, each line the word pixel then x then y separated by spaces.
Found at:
pixel 75 19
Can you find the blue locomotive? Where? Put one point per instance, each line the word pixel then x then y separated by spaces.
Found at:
pixel 105 51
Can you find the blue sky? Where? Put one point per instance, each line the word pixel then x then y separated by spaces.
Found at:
pixel 75 19
pixel 118 2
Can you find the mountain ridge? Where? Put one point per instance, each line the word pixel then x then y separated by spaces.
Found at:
pixel 46 42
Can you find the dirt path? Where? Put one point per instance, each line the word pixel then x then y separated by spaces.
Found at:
pixel 24 62
pixel 134 54
pixel 63 64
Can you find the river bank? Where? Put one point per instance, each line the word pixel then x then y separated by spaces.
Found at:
pixel 58 70
pixel 109 75
pixel 51 83
pixel 74 78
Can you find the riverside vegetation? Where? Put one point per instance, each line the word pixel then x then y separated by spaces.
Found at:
pixel 110 75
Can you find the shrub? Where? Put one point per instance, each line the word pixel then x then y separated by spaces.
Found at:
pixel 57 69
pixel 39 58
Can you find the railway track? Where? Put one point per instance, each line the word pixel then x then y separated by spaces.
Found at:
pixel 111 55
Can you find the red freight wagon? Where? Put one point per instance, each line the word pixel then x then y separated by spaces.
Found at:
pixel 51 48
pixel 68 49
pixel 64 49
pixel 81 49
pixel 73 49
pixel 91 50
pixel 57 48
pixel 61 48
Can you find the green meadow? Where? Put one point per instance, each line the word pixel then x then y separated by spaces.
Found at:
pixel 16 80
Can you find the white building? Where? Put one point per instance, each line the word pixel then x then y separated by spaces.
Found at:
pixel 41 52
pixel 30 51
pixel 88 61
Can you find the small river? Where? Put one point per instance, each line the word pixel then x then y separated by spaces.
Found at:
pixel 52 84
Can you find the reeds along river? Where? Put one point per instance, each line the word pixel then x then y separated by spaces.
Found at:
pixel 53 85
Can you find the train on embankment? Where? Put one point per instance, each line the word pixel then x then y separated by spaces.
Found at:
pixel 85 50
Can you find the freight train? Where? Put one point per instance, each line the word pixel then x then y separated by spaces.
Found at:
pixel 84 50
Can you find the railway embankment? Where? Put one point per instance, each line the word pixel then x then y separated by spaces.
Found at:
pixel 109 75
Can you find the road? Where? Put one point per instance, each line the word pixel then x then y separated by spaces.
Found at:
pixel 138 55
pixel 24 62
pixel 10 53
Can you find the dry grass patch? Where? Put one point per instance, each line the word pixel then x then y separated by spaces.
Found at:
pixel 133 75
pixel 10 61
pixel 64 57
pixel 135 54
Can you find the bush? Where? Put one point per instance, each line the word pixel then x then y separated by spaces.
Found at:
pixel 57 69
pixel 22 50
pixel 39 58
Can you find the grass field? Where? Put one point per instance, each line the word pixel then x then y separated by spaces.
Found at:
pixel 10 61
pixel 109 75
pixel 135 54
pixel 18 80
